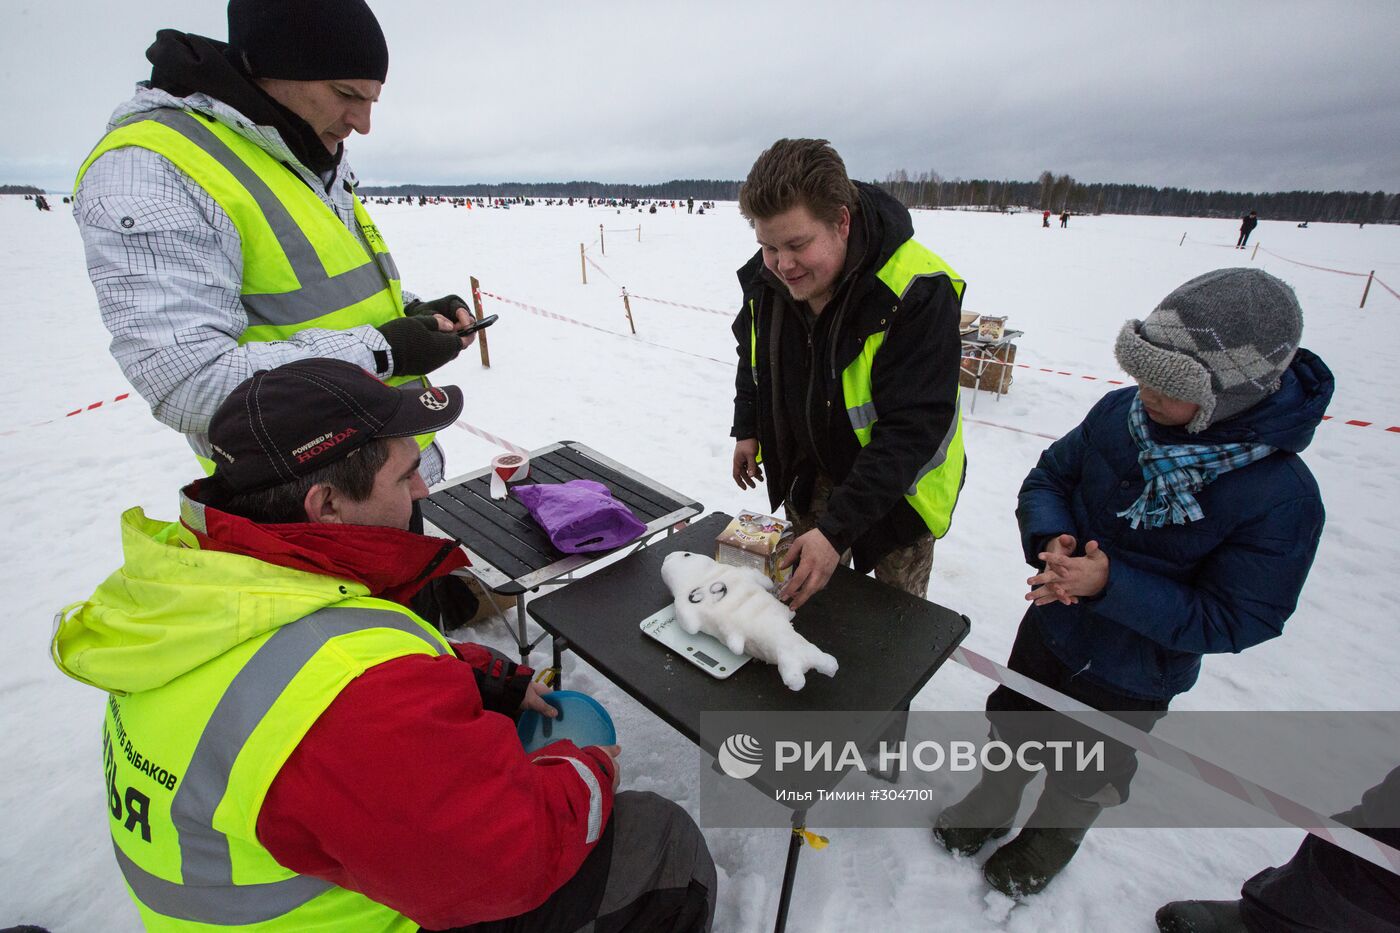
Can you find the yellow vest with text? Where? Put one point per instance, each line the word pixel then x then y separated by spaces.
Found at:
pixel 188 765
pixel 934 492
pixel 302 267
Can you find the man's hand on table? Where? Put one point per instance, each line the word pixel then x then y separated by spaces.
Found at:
pixel 816 561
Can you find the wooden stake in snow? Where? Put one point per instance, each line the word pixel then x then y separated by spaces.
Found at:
pixel 481 334
pixel 627 306
pixel 583 263
pixel 602 243
pixel 1368 287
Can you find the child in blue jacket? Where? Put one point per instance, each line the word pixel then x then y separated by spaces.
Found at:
pixel 1176 520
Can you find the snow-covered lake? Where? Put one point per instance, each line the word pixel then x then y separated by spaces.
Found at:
pixel 667 413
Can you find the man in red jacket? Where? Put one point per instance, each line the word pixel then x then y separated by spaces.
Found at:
pixel 409 800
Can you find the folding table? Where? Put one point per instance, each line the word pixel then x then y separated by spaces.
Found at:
pixel 510 554
pixel 888 644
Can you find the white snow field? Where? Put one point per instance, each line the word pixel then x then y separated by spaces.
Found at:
pixel 667 413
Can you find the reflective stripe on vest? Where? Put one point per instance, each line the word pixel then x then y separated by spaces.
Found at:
pixel 264 709
pixel 753 361
pixel 302 267
pixel 934 492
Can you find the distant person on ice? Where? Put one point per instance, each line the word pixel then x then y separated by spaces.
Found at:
pixel 1045 218
pixel 289 747
pixel 847 385
pixel 1247 224
pixel 1064 219
pixel 219 198
pixel 1177 520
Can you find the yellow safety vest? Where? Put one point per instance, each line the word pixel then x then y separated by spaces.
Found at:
pixel 934 492
pixel 189 763
pixel 302 267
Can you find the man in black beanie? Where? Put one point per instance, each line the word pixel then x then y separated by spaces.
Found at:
pixel 222 230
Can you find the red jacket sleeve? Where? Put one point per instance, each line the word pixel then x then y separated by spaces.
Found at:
pixel 406 791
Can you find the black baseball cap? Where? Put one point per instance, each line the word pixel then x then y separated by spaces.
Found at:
pixel 293 420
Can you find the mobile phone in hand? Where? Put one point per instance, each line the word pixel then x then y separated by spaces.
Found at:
pixel 475 326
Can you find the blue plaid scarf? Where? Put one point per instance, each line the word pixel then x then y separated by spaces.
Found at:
pixel 1174 472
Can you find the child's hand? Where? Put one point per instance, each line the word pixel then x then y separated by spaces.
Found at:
pixel 1066 579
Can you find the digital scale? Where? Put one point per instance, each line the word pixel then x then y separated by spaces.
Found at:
pixel 704 651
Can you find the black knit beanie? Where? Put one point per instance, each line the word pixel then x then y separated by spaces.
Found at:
pixel 308 40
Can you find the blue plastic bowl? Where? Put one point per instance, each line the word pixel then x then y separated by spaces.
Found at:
pixel 582 720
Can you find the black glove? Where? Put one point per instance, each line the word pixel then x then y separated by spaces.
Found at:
pixel 503 685
pixel 418 347
pixel 447 306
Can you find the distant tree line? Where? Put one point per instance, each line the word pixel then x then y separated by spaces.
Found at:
pixel 20 189
pixel 699 189
pixel 929 189
pixel 1062 192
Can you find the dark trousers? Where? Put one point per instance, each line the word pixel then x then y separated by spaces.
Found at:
pixel 1033 658
pixel 1325 887
pixel 650 872
pixel 1244 238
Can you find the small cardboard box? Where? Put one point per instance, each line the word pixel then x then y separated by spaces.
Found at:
pixel 757 541
pixel 991 328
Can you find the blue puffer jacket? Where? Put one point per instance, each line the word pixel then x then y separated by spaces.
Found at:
pixel 1220 584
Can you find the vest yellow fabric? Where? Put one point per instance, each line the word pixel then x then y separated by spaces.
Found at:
pixel 935 489
pixel 188 765
pixel 302 267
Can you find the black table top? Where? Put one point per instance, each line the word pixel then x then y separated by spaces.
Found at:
pixel 510 553
pixel 887 642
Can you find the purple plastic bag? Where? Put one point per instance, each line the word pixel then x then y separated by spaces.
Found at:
pixel 580 516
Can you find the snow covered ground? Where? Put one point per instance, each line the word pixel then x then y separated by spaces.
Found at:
pixel 667 414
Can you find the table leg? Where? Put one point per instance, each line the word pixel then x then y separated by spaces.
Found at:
pixel 560 645
pixel 522 641
pixel 799 823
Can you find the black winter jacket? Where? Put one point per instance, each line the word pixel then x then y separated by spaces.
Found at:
pixel 796 408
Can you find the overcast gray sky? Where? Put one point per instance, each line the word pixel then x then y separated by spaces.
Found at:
pixel 1237 95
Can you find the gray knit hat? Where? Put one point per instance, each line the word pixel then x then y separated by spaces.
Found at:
pixel 1222 341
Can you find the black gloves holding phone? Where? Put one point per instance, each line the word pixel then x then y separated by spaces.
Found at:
pixel 415 343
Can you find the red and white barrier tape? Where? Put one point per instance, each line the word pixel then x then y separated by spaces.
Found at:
pixel 677 304
pixel 77 411
pixel 491 438
pixel 1387 288
pixel 1353 422
pixel 1307 265
pixel 533 309
pixel 589 260
pixel 1007 427
pixel 1275 804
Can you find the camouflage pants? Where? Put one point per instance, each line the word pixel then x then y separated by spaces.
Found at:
pixel 905 568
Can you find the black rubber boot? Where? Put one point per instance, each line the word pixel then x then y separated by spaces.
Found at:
pixel 1201 917
pixel 984 814
pixel 1028 863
